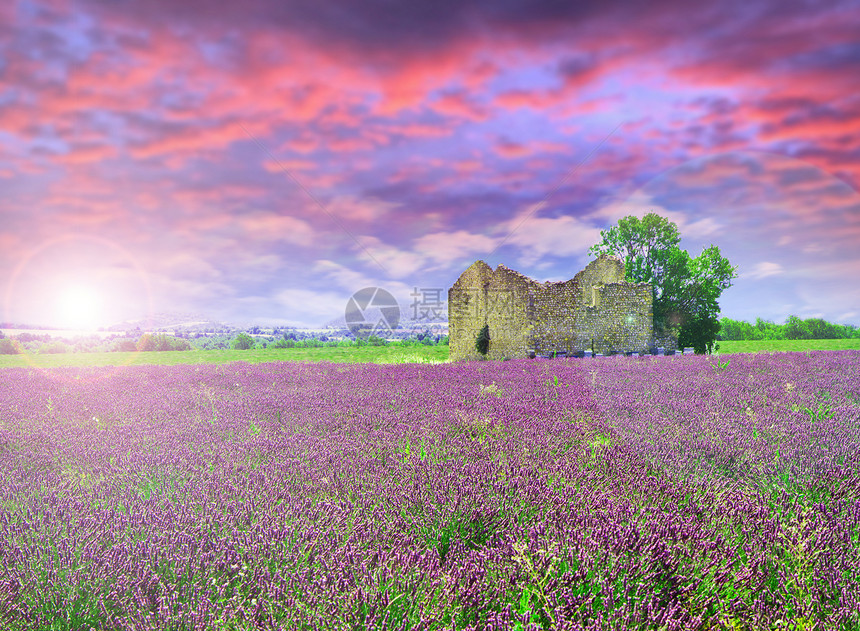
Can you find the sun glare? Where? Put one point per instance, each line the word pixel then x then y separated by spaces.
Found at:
pixel 79 307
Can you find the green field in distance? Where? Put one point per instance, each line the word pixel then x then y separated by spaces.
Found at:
pixel 378 354
pixel 375 354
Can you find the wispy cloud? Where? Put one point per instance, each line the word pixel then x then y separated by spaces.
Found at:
pixel 765 269
pixel 427 132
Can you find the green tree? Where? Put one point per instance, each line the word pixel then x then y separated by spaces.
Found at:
pixel 685 289
pixel 125 346
pixel 643 244
pixel 793 329
pixel 243 342
pixel 482 342
pixel 813 329
pixel 736 330
pixel 147 342
pixel 159 342
pixel 53 347
pixel 163 343
pixel 700 333
pixel 796 329
pixel 768 330
pixel 820 329
pixel 7 347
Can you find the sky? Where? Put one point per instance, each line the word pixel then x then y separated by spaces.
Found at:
pixel 260 162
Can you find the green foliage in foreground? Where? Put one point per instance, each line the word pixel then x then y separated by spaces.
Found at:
pixel 354 354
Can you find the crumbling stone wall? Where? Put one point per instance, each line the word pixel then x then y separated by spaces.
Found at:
pixel 596 310
pixel 497 298
pixel 667 340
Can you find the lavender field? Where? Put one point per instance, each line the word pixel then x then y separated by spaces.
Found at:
pixel 617 493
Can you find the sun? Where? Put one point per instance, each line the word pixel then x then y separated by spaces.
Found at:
pixel 79 307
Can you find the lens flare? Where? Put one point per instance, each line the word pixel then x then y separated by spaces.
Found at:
pixel 79 306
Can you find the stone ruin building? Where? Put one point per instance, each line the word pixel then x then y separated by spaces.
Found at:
pixel 596 310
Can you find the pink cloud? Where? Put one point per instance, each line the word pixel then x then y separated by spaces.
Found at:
pixel 183 143
pixel 322 181
pixel 271 227
pixel 407 85
pixel 85 154
pixel 538 153
pixel 278 166
pixel 478 74
pixel 361 209
pixel 833 123
pixel 513 99
pixel 511 149
pixel 18 119
pixel 366 114
pixel 204 196
pixel 468 166
pixel 303 143
pixel 407 172
pixel 350 145
pixel 458 104
pixel 420 130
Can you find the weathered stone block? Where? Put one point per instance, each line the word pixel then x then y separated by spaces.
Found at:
pixel 595 311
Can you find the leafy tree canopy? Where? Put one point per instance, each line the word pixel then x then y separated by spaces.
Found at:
pixel 643 244
pixel 686 289
pixel 243 342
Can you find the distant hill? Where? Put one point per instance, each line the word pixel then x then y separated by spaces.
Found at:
pixel 406 321
pixel 172 321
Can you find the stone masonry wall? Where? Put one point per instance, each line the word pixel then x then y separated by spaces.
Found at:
pixel 596 309
pixel 481 296
pixel 621 321
pixel 667 340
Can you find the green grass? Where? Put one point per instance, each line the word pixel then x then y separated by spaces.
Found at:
pixel 776 346
pixel 365 354
pixel 338 354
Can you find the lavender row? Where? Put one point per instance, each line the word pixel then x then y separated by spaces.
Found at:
pixel 630 493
